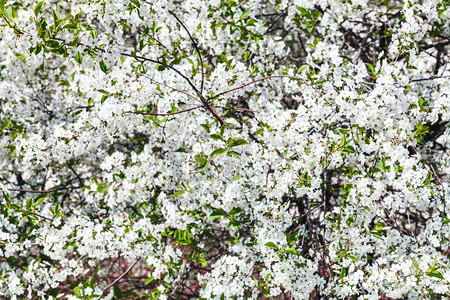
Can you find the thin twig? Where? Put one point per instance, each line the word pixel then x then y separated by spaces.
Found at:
pixel 37 215
pixel 252 82
pixel 44 191
pixel 170 87
pixel 205 102
pixel 196 48
pixel 363 44
pixel 433 171
pixel 428 78
pixel 121 276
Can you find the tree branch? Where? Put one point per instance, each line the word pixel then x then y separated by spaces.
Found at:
pixel 121 276
pixel 196 48
pixel 252 82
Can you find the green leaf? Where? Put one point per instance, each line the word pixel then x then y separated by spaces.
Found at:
pixel 136 2
pixel 101 188
pixel 379 226
pixel 302 10
pixel 201 160
pixel 233 153
pixel 78 58
pixel 103 66
pixel 38 7
pixel 271 245
pixel 265 292
pixel 235 210
pixel 30 204
pixel 420 140
pixel 206 127
pixel 217 152
pixel 71 26
pixel 148 280
pixel 232 142
pixel 422 102
pixel 349 149
pixel 292 250
pixel 251 22
pixel 8 12
pixel 216 136
pixel 353 258
pixel 345 130
pixel 236 225
pixel 203 262
pixel 371 69
pixel 445 220
pixel 421 129
pixel 376 234
pixel 39 200
pixel 104 97
pixel 245 14
pixel 416 264
pixel 103 91
pixel 218 213
pixel 343 273
pixel 2 6
pixel 21 56
pixel 180 192
pixel 435 273
pixel 302 68
pixel 428 179
pixel 56 16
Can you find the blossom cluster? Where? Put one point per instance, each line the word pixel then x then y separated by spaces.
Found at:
pixel 224 149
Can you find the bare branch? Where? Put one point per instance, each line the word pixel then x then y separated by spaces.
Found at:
pixel 121 276
pixel 196 48
pixel 170 87
pixel 44 191
pixel 428 78
pixel 252 82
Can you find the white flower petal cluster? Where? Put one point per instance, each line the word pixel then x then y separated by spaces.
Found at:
pixel 224 149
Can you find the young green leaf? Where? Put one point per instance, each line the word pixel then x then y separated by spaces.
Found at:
pixel 38 7
pixel 233 153
pixel 217 152
pixel 232 142
pixel 78 58
pixel 103 66
pixel 271 245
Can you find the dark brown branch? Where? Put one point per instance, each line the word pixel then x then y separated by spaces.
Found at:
pixel 196 48
pixel 363 44
pixel 428 78
pixel 44 191
pixel 205 102
pixel 37 215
